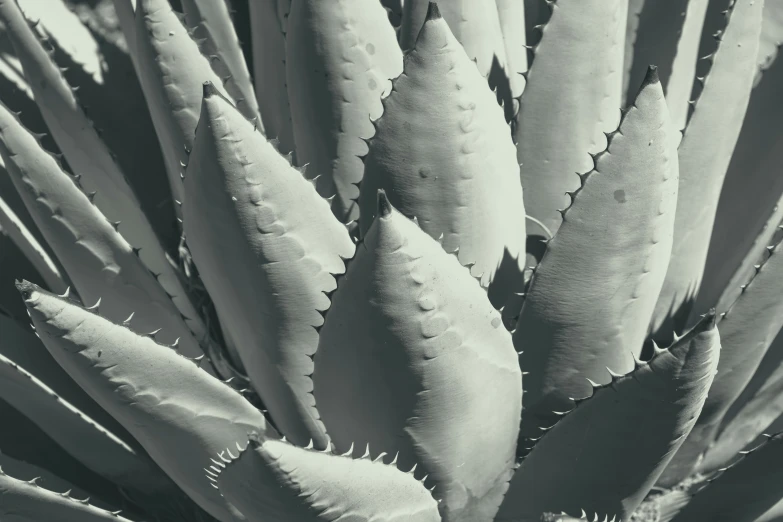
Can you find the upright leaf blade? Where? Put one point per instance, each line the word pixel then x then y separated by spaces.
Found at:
pixel 272 479
pixel 267 250
pixel 605 454
pixel 440 380
pixel 340 59
pixel 572 97
pixel 465 185
pixel 593 293
pixel 704 155
pixel 180 414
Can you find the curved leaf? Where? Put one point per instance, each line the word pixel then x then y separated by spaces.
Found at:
pixel 268 40
pixel 89 156
pixel 747 331
pixel 340 59
pixel 210 20
pixel 24 501
pixel 267 251
pixel 743 491
pixel 605 454
pixel 101 264
pixel 438 374
pixel 275 480
pixel 171 69
pixel 592 295
pixel 78 434
pixel 463 186
pixel 180 414
pixel 704 154
pixel 572 97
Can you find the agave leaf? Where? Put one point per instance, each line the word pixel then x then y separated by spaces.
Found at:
pixel 340 59
pixel 21 346
pixel 267 252
pixel 89 156
pixel 465 185
pixel 26 501
pixel 571 98
pixel 704 153
pixel 59 23
pixel 773 514
pixel 605 454
pixel 753 175
pixel 743 491
pixel 272 479
pixel 440 381
pixel 171 69
pixel 101 264
pixel 82 437
pixel 771 37
pixel 667 36
pixel 210 20
pixel 26 472
pixel 126 16
pixel 268 40
pixel 611 249
pixel 759 404
pixel 747 331
pixel 47 267
pixel 512 25
pixel 180 414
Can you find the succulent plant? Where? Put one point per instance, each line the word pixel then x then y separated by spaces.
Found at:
pixel 315 295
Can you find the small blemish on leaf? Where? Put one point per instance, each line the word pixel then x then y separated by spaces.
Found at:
pixel 370 48
pixel 619 196
pixel 372 84
pixel 424 172
pixel 496 322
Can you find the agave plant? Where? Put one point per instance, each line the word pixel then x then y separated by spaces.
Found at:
pixel 313 296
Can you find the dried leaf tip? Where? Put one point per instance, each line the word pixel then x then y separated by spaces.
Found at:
pixel 708 321
pixel 384 206
pixel 26 288
pixel 209 89
pixel 651 76
pixel 433 12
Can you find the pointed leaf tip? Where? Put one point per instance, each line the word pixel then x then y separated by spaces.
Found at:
pixel 384 207
pixel 433 12
pixel 25 288
pixel 651 76
pixel 209 89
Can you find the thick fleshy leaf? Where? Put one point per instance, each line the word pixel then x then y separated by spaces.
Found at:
pixel 753 175
pixel 704 155
pixel 267 250
pixel 747 331
pixel 267 19
pixel 171 69
pixel 754 411
pixel 210 20
pixel 605 454
pixel 439 378
pixel 26 501
pixel 180 414
pixel 340 59
pixel 592 295
pixel 49 268
pixel 667 36
pixel 741 493
pixel 89 156
pixel 476 25
pixel 571 99
pixel 82 437
pixel 99 262
pixel 274 480
pixel 463 186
